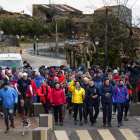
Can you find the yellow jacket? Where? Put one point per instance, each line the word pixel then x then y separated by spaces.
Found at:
pixel 76 94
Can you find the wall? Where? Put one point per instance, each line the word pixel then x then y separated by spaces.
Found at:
pixel 9 49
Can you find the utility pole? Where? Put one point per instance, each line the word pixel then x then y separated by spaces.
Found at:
pixel 106 32
pixel 56 38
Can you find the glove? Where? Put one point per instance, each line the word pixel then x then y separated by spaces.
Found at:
pixel 45 96
pixel 108 96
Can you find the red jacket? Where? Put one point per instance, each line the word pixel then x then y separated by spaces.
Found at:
pixel 34 89
pixel 61 79
pixel 57 97
pixel 116 78
pixel 42 95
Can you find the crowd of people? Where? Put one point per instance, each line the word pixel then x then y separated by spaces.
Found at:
pixel 80 90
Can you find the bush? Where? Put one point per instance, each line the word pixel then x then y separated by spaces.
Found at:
pixel 23 39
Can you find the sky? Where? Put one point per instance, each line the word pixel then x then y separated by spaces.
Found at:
pixel 87 6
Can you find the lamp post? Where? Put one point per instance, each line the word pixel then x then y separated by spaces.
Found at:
pixel 66 49
pixel 37 46
pixel 97 43
pixel 73 42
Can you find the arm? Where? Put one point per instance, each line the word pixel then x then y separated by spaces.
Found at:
pixel 113 96
pixel 30 87
pixel 101 92
pixel 126 93
pixel 50 96
pixel 84 93
pixel 35 88
pixel 132 69
pixel 40 92
pixel 16 87
pixel 72 86
pixel 111 92
pixel 15 96
pixel 63 96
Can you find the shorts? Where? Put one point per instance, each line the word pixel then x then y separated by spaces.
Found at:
pixel 69 102
pixel 21 97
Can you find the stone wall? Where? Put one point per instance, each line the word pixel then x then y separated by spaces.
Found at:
pixel 9 49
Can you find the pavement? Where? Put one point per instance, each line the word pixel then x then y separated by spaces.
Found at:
pixel 69 131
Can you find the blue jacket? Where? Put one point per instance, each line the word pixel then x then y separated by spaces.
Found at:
pixel 106 89
pixel 16 78
pixel 91 92
pixel 98 81
pixel 39 81
pixel 120 96
pixel 9 97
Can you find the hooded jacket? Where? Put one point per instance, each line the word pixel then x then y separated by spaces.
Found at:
pixel 39 81
pixel 77 96
pixel 61 79
pixel 40 93
pixel 57 97
pixel 106 89
pixel 98 81
pixel 34 89
pixel 121 95
pixel 9 97
pixel 116 78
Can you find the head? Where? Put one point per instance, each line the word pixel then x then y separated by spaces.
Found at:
pixel 65 73
pixel 24 76
pixel 46 76
pixel 56 72
pixel 29 77
pixel 56 79
pixel 11 78
pixel 28 68
pixel 85 80
pixel 69 72
pixel 108 71
pixel 57 85
pixel 110 76
pixel 92 73
pixel 77 84
pixel 59 74
pixel 121 82
pixel 123 77
pixel 17 75
pixel 91 83
pixel 64 84
pixel 115 73
pixel 43 83
pixel 97 73
pixel 73 72
pixel 136 63
pixel 6 87
pixel 79 74
pixel 37 75
pixel 107 81
pixel 70 78
pixel 40 69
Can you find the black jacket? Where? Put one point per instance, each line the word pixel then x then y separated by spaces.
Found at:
pixel 85 87
pixel 134 75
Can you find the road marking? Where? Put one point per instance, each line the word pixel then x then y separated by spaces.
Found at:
pixel 128 134
pixel 83 135
pixel 61 135
pixel 105 134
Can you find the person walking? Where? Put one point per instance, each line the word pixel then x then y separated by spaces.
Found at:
pixel 78 94
pixel 134 79
pixel 106 92
pixel 9 97
pixel 44 92
pixel 57 99
pixel 120 96
pixel 20 50
pixel 92 97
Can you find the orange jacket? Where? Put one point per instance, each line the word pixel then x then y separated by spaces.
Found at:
pixel 42 95
pixel 20 48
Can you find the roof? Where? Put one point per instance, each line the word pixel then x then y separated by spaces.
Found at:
pixel 59 7
pixel 104 8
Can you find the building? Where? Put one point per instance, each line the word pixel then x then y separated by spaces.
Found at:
pixel 123 13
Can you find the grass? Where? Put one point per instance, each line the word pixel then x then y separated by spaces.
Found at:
pixel 41 40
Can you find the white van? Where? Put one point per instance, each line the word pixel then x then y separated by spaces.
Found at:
pixel 10 59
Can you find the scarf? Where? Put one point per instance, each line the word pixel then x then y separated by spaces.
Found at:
pixel 78 88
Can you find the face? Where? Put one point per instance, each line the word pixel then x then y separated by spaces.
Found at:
pixel 24 77
pixel 110 76
pixel 79 75
pixel 6 87
pixel 115 74
pixel 11 78
pixel 66 73
pixel 59 74
pixel 29 78
pixel 57 86
pixel 123 79
pixel 97 75
pixel 37 76
pixel 64 85
pixel 91 83
pixel 107 81
pixel 56 73
pixel 70 78
pixel 28 69
pixel 73 72
pixel 77 84
pixel 69 73
pixel 17 76
pixel 46 76
pixel 91 73
pixel 134 64
pixel 121 83
pixel 43 83
pixel 85 81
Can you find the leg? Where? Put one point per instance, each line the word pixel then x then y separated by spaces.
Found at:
pixel 46 106
pixel 22 107
pixel 104 112
pixel 60 112
pixel 75 112
pixel 26 105
pixel 122 108
pixel 11 117
pixel 56 113
pixel 85 110
pixel 28 130
pixel 43 104
pixel 109 111
pixel 139 96
pixel 96 108
pixel 23 131
pixel 90 107
pixel 118 106
pixel 30 106
pixel 80 111
pixel 134 93
pixel 38 99
pixel 126 108
pixel 6 112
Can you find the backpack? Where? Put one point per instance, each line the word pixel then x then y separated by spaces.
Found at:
pixel 120 92
pixel 46 90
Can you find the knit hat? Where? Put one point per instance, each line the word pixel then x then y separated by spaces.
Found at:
pixel 106 78
pixel 14 67
pixel 5 82
pixel 29 75
pixel 136 62
pixel 97 72
pixel 123 76
pixel 69 70
pixel 109 70
pixel 56 79
pixel 51 75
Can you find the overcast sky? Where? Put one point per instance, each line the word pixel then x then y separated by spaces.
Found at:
pixel 87 6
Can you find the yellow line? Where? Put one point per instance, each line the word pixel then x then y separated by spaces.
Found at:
pixel 83 135
pixel 61 135
pixel 105 134
pixel 128 134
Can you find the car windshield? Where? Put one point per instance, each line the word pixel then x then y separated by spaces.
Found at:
pixel 10 63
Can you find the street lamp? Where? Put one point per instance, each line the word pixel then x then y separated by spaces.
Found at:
pixel 37 46
pixel 66 49
pixel 97 43
pixel 74 56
